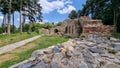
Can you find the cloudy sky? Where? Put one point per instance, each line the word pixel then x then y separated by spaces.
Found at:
pixel 54 10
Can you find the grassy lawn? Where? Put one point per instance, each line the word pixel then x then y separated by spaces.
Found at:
pixel 8 39
pixel 25 52
pixel 117 35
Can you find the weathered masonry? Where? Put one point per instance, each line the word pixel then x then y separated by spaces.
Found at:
pixel 82 25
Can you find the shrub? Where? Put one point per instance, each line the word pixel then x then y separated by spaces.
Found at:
pixel 112 51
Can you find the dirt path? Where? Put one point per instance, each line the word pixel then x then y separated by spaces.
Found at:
pixel 12 54
pixel 13 46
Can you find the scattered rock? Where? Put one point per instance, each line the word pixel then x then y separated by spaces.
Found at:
pixel 113 39
pixel 117 48
pixel 94 51
pixel 54 65
pixel 77 53
pixel 64 61
pixel 57 57
pixel 115 60
pixel 56 49
pixel 87 54
pixel 48 51
pixel 70 48
pixel 68 53
pixel 63 50
pixel 82 66
pixel 26 65
pixel 47 60
pixel 37 53
pixel 112 66
pixel 41 64
pixel 90 65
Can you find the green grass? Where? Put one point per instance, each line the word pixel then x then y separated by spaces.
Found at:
pixel 117 35
pixel 25 54
pixel 12 38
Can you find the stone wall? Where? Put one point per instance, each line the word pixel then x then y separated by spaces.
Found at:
pixel 90 26
pixel 82 25
pixel 95 51
pixel 45 31
pixel 71 27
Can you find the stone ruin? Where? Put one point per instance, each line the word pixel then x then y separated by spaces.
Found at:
pixel 71 27
pixel 90 26
pixel 95 51
pixel 45 31
pixel 83 25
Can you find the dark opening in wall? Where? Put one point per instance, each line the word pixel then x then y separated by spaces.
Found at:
pixel 66 29
pixel 56 30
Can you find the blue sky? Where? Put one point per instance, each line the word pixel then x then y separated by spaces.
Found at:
pixel 54 10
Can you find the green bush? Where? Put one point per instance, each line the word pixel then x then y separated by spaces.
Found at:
pixel 112 51
pixel 117 35
pixel 59 24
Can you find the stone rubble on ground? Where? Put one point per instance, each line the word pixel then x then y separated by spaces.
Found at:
pixel 91 52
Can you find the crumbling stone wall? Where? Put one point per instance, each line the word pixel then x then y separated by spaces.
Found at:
pixel 71 27
pixel 53 30
pixel 45 31
pixel 90 26
pixel 82 25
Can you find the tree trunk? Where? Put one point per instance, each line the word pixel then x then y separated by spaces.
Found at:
pixel 21 16
pixel 24 19
pixel 114 20
pixel 3 25
pixel 9 17
pixel 29 30
pixel 13 22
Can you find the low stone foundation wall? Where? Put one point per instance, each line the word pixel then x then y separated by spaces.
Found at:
pixel 92 52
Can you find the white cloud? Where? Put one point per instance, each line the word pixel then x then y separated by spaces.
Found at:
pixel 26 21
pixel 45 21
pixel 58 5
pixel 18 19
pixel 1 17
pixel 41 22
pixel 67 9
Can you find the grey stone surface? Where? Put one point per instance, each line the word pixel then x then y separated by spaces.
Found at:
pixel 90 65
pixel 68 53
pixel 95 50
pixel 54 65
pixel 64 61
pixel 77 53
pixel 112 66
pixel 57 57
pixel 87 54
pixel 41 64
pixel 90 52
pixel 37 53
pixel 48 51
pixel 82 66
pixel 113 39
pixel 26 65
pixel 117 48
pixel 56 49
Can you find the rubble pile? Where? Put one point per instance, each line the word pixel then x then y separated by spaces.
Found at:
pixel 95 51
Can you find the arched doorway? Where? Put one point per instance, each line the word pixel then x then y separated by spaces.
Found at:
pixel 66 29
pixel 56 31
